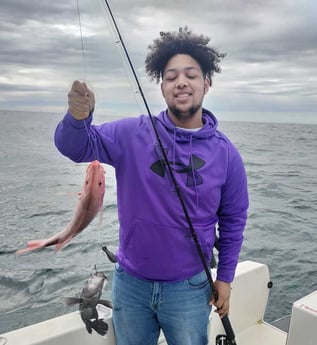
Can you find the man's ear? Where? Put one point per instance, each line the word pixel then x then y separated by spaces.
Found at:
pixel 207 85
pixel 162 90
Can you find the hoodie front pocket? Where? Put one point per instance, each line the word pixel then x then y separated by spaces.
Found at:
pixel 159 251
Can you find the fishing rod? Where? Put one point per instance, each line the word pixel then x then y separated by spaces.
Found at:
pixel 225 320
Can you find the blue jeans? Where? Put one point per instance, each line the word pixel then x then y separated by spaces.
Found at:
pixel 142 308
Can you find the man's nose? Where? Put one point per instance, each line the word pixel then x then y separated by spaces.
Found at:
pixel 181 81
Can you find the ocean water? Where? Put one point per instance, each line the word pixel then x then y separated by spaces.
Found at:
pixel 39 194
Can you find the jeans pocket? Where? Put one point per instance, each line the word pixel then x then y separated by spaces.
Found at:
pixel 197 281
pixel 118 269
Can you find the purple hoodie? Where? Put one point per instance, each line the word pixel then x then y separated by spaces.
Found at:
pixel 154 239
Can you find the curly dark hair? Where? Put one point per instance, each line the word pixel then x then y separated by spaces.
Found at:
pixel 182 42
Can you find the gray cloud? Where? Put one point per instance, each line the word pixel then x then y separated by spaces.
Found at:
pixel 270 66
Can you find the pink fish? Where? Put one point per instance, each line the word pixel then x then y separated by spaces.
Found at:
pixel 90 202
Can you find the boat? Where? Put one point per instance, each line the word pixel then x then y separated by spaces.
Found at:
pixel 250 293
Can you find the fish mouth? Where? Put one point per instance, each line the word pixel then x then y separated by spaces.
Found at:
pixel 100 275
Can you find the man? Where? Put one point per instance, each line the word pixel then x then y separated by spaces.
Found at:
pixel 159 281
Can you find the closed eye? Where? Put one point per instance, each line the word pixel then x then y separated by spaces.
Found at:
pixel 170 78
pixel 191 75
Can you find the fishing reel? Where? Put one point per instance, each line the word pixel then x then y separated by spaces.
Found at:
pixel 222 339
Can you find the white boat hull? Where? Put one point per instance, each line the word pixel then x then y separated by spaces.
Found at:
pixel 250 291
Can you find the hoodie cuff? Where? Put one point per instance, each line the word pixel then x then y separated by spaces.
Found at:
pixel 225 275
pixel 79 124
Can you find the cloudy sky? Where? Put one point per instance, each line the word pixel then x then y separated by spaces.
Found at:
pixel 269 73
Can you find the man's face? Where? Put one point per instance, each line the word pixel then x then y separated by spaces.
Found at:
pixel 184 87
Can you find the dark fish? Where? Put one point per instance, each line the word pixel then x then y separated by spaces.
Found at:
pixel 88 300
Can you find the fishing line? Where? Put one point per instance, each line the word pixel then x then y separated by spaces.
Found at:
pixel 225 320
pixel 82 41
pixel 126 67
pixel 89 133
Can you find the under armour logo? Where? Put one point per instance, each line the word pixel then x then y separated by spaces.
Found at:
pixel 193 177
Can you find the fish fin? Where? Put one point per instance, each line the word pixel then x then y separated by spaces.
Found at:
pixel 99 325
pixel 32 245
pixel 70 301
pixel 106 303
pixel 88 326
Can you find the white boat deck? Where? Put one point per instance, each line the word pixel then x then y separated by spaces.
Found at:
pixel 262 334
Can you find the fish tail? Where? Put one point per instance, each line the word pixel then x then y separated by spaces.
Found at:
pixel 33 245
pixel 99 325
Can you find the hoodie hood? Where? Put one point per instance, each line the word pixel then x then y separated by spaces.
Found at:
pixel 184 137
pixel 209 128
